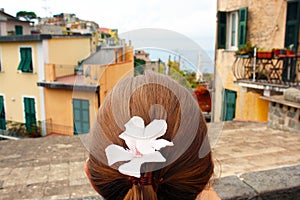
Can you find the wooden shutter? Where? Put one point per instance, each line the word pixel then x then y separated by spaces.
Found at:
pixel 292 24
pixel 81 116
pixel 30 119
pixel 222 29
pixel 28 61
pixel 242 28
pixel 25 64
pixel 229 105
pixel 2 114
pixel 23 58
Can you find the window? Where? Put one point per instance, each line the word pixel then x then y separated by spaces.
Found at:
pixel 233 34
pixel 25 64
pixel 18 30
pixel 232 29
pixel 292 24
pixel 81 116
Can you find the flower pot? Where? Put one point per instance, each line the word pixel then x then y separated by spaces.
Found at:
pixel 264 54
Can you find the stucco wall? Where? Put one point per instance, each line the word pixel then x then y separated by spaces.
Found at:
pixel 112 75
pixel 251 107
pixel 68 51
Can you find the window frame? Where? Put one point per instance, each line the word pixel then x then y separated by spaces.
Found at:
pixel 20 60
pixel 229 30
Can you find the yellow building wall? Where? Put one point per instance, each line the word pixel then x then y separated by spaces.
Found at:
pixel 250 107
pixel 68 51
pixel 15 85
pixel 59 109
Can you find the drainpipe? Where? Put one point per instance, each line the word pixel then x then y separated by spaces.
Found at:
pixel 215 69
pixel 98 95
pixel 254 64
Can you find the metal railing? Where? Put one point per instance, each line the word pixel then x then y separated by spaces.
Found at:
pixel 53 128
pixel 278 70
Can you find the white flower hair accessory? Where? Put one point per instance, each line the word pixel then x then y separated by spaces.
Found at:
pixel 142 143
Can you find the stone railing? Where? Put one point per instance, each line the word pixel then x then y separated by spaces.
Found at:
pixel 284 110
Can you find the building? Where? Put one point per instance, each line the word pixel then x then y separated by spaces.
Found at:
pixel 243 75
pixel 74 94
pixel 10 25
pixel 25 61
pixel 141 54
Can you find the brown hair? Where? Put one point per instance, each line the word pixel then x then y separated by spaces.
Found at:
pixel 187 174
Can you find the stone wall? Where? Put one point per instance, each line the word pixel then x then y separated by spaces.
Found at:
pixel 284 117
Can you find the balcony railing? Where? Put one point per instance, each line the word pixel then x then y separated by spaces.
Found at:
pixel 278 70
pixel 53 128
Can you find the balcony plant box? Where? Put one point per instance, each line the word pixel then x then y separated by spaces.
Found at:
pixel 265 54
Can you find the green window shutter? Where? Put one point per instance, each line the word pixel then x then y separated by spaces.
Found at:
pixel 81 116
pixel 23 58
pixel 292 24
pixel 229 105
pixel 30 115
pixel 19 30
pixel 242 28
pixel 222 20
pixel 2 114
pixel 25 64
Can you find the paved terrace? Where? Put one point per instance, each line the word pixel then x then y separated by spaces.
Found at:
pixel 52 167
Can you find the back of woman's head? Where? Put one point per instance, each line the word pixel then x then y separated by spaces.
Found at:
pixel 188 165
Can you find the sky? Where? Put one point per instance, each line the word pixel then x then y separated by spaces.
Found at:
pixel 194 19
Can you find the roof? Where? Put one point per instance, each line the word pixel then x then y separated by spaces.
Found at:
pixel 72 82
pixel 37 37
pixel 11 18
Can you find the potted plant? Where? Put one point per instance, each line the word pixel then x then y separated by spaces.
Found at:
pixel 246 50
pixel 264 54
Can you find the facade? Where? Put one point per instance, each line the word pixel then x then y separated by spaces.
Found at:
pixel 242 74
pixel 24 60
pixel 74 94
pixel 10 25
pixel 141 54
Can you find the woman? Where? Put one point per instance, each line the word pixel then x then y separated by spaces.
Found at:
pixel 183 164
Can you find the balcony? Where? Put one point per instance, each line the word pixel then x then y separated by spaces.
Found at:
pixel 68 77
pixel 267 71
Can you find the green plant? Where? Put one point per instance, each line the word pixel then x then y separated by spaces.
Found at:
pixel 247 49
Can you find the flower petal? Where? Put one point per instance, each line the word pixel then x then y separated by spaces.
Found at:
pixel 135 127
pixel 155 129
pixel 115 153
pixel 144 146
pixel 133 167
pixel 161 143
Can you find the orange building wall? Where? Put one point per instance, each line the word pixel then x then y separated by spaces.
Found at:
pixel 59 109
pixel 250 107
